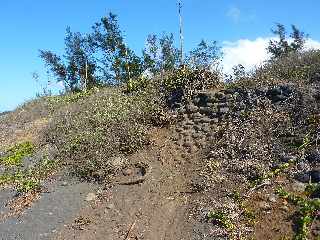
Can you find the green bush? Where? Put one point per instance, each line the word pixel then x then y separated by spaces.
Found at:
pixel 139 84
pixel 15 154
pixel 29 179
pixel 189 80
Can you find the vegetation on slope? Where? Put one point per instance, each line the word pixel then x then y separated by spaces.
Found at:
pixel 107 111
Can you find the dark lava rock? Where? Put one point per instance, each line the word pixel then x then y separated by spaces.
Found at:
pixel 220 95
pixel 202 99
pixel 315 77
pixel 315 175
pixel 316 95
pixel 205 110
pixel 303 177
pixel 313 157
pixel 287 158
pixel 175 98
pixel 279 94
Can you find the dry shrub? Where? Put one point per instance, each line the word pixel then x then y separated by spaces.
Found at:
pixel 248 146
pixel 297 67
pixel 89 132
pixel 253 143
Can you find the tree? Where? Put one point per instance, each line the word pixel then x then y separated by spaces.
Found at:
pixel 160 54
pixel 299 38
pixel 81 64
pixel 99 57
pixel 118 62
pixel 169 53
pixel 77 71
pixel 205 56
pixel 151 54
pixel 283 46
pixel 54 63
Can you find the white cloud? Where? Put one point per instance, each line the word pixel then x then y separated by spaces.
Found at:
pixel 234 13
pixel 250 53
pixel 312 44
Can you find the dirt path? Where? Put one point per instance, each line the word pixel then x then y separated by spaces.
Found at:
pixel 153 208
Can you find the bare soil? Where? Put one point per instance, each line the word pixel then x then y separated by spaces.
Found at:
pixel 151 205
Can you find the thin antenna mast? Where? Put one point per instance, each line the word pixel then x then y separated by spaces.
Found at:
pixel 86 79
pixel 127 63
pixel 181 34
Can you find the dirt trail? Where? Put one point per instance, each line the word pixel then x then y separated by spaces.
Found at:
pixel 152 209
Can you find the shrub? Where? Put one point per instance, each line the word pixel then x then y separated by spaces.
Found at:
pixel 89 132
pixel 28 180
pixel 188 81
pixel 296 68
pixel 138 84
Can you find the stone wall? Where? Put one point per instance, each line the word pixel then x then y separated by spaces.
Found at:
pixel 199 117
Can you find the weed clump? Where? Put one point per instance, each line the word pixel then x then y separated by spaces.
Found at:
pixel 15 154
pixel 221 218
pixel 308 210
pixel 28 180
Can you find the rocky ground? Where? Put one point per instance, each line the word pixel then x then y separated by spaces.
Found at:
pixel 215 173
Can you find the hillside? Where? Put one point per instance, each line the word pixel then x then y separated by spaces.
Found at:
pixel 204 160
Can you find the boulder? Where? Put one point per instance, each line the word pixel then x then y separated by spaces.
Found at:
pixel 205 110
pixel 315 175
pixel 287 158
pixel 279 94
pixel 313 157
pixel 202 99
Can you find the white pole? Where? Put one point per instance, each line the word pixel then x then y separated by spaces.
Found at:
pixel 86 80
pixel 127 63
pixel 181 34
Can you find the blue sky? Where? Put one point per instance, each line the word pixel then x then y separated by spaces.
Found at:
pixel 239 25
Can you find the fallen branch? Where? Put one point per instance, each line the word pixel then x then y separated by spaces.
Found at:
pixel 130 230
